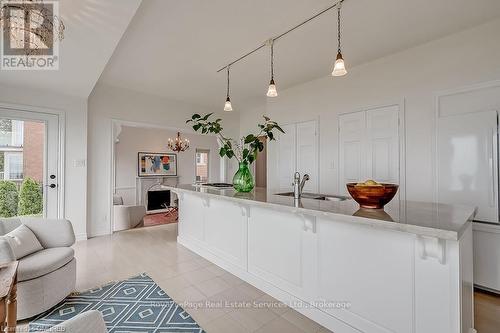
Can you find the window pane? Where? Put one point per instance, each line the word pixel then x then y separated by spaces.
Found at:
pixel 202 165
pixel 5 132
pixel 15 166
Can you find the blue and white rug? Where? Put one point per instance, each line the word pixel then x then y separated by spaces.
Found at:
pixel 134 305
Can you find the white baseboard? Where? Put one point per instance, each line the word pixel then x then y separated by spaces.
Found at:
pixel 81 237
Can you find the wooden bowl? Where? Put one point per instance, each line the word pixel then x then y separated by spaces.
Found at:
pixel 373 197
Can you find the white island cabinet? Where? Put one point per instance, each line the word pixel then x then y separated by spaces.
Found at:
pixel 406 270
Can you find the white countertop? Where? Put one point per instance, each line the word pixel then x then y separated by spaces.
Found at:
pixel 425 219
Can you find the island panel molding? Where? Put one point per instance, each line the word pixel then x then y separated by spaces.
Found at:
pixel 353 273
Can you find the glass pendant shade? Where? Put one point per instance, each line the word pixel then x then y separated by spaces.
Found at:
pixel 339 68
pixel 272 92
pixel 228 107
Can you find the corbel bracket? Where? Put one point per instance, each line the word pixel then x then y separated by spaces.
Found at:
pixel 432 247
pixel 245 210
pixel 309 222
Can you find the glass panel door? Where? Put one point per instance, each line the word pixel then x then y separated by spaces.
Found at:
pixel 29 164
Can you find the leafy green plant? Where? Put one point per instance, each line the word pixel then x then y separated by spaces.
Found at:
pixel 8 199
pixel 30 198
pixel 246 149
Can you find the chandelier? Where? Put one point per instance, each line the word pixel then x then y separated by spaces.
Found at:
pixel 31 25
pixel 178 144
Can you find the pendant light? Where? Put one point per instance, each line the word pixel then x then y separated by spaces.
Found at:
pixel 339 67
pixel 272 92
pixel 227 106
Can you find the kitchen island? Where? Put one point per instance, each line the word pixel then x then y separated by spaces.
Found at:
pixel 405 269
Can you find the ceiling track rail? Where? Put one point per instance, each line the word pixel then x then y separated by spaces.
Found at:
pixel 271 40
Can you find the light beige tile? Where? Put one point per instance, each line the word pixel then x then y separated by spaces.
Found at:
pixel 205 315
pixel 231 299
pixel 212 286
pixel 189 294
pixel 173 285
pixel 250 290
pixel 216 270
pixel 252 318
pixel 272 304
pixel 231 279
pixel 225 324
pixel 199 275
pixel 279 325
pixel 301 321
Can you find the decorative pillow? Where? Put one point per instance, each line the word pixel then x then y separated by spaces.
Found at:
pixel 23 242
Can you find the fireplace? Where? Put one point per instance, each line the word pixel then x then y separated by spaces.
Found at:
pixel 158 199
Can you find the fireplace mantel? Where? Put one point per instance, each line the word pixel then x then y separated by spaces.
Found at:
pixel 145 184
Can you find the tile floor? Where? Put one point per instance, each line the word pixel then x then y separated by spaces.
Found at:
pixel 189 279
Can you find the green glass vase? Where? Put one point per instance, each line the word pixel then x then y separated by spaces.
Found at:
pixel 243 180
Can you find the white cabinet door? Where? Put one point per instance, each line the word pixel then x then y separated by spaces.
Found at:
pixel 467 162
pixel 287 156
pixel 369 146
pixel 279 252
pixel 193 224
pixel 382 146
pixel 358 265
pixel 352 149
pixel 226 237
pixel 307 154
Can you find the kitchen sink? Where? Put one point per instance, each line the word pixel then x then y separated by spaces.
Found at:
pixel 315 196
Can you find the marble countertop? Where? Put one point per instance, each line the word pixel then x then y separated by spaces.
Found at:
pixel 425 219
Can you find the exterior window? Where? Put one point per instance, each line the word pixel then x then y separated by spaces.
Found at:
pixel 202 158
pixel 11 133
pixel 13 166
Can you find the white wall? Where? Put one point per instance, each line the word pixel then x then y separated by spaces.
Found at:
pixel 107 103
pixel 133 140
pixel 75 112
pixel 413 77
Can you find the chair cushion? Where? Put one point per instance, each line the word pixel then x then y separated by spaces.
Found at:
pixel 23 241
pixel 44 262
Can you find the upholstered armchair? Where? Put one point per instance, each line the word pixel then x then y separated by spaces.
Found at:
pixel 86 322
pixel 47 276
pixel 126 216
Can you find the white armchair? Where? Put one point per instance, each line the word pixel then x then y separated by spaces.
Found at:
pixel 48 275
pixel 126 216
pixel 86 322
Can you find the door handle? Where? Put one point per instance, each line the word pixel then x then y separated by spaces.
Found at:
pixel 51 185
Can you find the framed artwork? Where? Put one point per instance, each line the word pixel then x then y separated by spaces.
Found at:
pixel 157 164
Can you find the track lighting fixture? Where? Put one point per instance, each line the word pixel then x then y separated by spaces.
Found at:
pixel 271 91
pixel 339 67
pixel 227 106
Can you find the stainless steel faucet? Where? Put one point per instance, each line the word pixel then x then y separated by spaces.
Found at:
pixel 298 185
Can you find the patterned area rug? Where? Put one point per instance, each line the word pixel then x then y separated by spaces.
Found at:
pixel 134 305
pixel 161 218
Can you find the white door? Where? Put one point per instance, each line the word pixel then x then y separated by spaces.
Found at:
pixel 369 146
pixel 307 154
pixel 468 162
pixel 382 146
pixel 352 149
pixel 29 152
pixel 287 156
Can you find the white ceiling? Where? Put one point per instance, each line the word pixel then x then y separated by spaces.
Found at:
pixel 93 29
pixel 173 48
